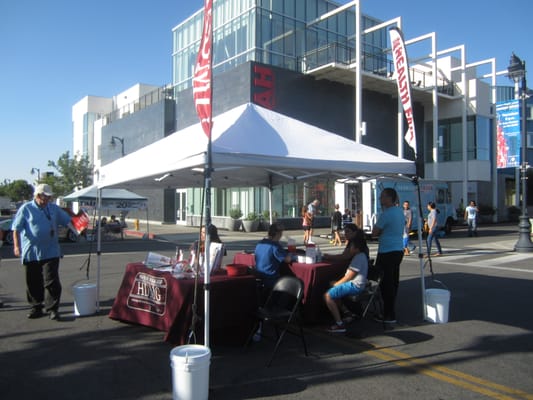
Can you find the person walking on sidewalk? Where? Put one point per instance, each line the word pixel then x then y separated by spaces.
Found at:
pixel 408 215
pixel 471 218
pixel 336 226
pixel 36 242
pixel 432 229
pixel 389 228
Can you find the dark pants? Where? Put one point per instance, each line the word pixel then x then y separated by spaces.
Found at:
pixel 389 263
pixel 42 283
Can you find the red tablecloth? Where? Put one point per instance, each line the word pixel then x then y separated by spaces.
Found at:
pixel 158 300
pixel 316 279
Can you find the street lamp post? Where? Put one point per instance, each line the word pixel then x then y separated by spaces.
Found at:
pixel 33 170
pixel 517 72
pixel 121 140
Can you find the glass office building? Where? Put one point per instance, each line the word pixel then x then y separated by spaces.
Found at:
pixel 275 32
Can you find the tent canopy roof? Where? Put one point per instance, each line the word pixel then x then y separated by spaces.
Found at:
pixel 251 146
pixel 90 193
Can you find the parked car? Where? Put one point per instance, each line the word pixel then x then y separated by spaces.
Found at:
pixel 64 232
pixel 6 235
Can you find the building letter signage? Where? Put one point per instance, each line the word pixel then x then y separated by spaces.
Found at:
pixel 264 87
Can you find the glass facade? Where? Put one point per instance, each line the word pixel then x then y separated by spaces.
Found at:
pixel 450 139
pixel 274 32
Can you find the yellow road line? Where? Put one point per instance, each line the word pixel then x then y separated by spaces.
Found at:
pixel 453 377
pixel 460 375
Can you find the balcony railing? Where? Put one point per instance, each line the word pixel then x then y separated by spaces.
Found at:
pixel 377 64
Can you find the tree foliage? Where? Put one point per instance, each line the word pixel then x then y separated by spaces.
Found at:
pixel 72 173
pixel 18 190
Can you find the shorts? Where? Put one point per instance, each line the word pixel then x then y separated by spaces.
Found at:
pixel 343 290
pixel 306 228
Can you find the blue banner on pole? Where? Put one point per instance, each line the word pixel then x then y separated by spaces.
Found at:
pixel 508 138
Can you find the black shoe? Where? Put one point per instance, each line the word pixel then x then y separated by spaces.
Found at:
pixel 35 313
pixel 54 315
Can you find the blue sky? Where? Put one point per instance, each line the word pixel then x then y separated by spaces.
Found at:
pixel 56 52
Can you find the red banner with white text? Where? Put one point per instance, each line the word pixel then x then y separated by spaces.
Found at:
pixel 401 66
pixel 202 80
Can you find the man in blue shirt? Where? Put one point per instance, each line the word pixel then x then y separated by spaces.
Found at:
pixel 389 228
pixel 36 242
pixel 269 255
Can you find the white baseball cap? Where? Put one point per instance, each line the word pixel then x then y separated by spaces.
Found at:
pixel 43 188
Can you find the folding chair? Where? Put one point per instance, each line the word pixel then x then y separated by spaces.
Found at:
pixel 281 310
pixel 371 295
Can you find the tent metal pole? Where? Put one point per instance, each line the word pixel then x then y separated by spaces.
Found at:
pixel 98 246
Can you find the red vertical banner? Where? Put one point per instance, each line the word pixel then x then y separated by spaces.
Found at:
pixel 401 66
pixel 202 80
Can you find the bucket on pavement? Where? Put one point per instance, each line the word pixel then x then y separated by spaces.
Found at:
pixel 437 305
pixel 190 372
pixel 84 299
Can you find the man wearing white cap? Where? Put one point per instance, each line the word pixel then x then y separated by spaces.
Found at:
pixel 36 242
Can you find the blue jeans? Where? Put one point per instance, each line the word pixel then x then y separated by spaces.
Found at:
pixel 472 226
pixel 433 235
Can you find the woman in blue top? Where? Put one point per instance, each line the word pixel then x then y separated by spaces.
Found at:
pixel 389 228
pixel 269 255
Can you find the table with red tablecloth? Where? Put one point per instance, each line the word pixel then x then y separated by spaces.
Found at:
pixel 317 278
pixel 156 299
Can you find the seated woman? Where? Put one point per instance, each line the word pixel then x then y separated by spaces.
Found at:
pixel 352 283
pixel 198 247
pixel 349 251
pixel 269 254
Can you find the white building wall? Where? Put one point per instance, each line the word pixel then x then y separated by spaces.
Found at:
pixel 89 104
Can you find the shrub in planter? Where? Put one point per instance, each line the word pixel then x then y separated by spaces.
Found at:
pixel 251 222
pixel 235 213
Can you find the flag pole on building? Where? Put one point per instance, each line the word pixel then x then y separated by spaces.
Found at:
pixel 203 100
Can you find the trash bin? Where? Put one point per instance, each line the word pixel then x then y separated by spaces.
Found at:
pixel 437 305
pixel 84 299
pixel 190 372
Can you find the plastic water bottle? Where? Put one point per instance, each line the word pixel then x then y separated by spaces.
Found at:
pixel 318 254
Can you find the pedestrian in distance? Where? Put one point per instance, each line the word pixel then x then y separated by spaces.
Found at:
pixel 408 215
pixel 307 221
pixel 433 230
pixel 389 229
pixel 471 212
pixel 35 241
pixel 313 211
pixel 336 226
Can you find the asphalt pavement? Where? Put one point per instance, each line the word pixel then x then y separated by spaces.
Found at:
pixel 484 351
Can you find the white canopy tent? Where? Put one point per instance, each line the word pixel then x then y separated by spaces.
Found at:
pixel 108 198
pixel 251 146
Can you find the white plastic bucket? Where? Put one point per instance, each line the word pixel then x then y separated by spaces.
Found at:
pixel 84 299
pixel 437 305
pixel 190 372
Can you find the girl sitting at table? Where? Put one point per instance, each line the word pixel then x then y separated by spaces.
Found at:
pixel 349 251
pixel 352 283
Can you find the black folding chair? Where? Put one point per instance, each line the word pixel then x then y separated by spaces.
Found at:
pixel 281 310
pixel 370 297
